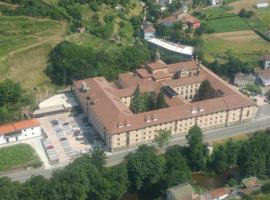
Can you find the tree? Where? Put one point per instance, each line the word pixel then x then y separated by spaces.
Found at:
pixel 161 103
pixel 197 151
pixel 246 13
pixel 145 168
pixel 254 156
pixel 205 92
pixel 136 104
pixel 98 158
pixel 232 150
pixel 162 137
pixel 177 170
pixel 219 159
pixel 149 101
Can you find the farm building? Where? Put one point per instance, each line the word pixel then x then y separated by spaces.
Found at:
pixel 19 131
pixel 215 2
pixel 148 30
pixel 181 192
pixel 264 76
pixel 262 5
pixel 242 80
pixel 163 4
pixel 266 61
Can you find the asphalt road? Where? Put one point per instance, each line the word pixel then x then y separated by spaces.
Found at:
pixel 261 121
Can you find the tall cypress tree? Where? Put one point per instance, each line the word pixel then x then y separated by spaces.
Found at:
pixel 161 103
pixel 136 104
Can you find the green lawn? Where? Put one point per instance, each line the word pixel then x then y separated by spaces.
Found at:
pixel 264 17
pixel 245 45
pixel 228 24
pixel 18 156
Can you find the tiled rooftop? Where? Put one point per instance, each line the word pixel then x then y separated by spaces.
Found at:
pixel 112 111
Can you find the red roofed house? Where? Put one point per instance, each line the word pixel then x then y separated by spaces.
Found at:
pixel 219 194
pixel 148 30
pixel 191 21
pixel 19 131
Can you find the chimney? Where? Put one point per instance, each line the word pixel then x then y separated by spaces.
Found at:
pixel 154 117
pixel 84 87
pixel 120 124
pixel 127 123
pixel 147 118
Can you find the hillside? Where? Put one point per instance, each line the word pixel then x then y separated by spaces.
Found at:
pixel 28 34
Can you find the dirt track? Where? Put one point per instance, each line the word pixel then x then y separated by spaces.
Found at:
pixel 236 36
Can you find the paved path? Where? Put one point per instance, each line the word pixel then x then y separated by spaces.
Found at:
pixel 261 121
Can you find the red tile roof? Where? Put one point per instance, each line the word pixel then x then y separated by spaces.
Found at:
pixel 215 194
pixel 111 110
pixel 149 29
pixel 142 72
pixel 161 75
pixel 9 128
pixel 157 65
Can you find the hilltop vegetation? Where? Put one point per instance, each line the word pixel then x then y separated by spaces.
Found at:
pixel 27 36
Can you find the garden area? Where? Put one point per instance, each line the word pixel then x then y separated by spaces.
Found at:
pixel 18 156
pixel 228 24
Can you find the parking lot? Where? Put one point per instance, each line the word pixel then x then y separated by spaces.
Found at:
pixel 68 136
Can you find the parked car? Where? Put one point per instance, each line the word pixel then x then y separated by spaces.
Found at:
pixel 54 123
pixel 50 146
pixel 63 139
pixel 79 137
pixel 65 124
pixel 77 132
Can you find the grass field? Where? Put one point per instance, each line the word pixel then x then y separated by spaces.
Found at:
pixel 228 24
pixel 245 4
pixel 246 45
pixel 24 47
pixel 17 156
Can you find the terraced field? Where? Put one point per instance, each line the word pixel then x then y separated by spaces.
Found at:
pixel 24 46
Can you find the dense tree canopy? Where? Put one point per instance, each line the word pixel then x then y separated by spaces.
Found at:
pixel 144 168
pixel 229 68
pixel 206 91
pixel 197 151
pixel 70 62
pixel 12 98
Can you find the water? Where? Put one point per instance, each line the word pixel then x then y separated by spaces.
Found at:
pixel 203 181
pixel 216 181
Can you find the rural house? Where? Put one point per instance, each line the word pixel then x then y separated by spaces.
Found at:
pixel 19 131
pixel 266 61
pixel 181 192
pixel 242 80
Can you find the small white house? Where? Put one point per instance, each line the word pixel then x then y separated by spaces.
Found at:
pixel 19 131
pixel 215 2
pixel 262 5
pixel 266 61
pixel 149 31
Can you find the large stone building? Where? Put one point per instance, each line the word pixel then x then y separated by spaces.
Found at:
pixel 107 104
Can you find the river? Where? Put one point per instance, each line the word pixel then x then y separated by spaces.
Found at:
pixel 203 181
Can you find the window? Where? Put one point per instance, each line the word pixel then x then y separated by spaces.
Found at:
pixel 248 113
pixel 118 144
